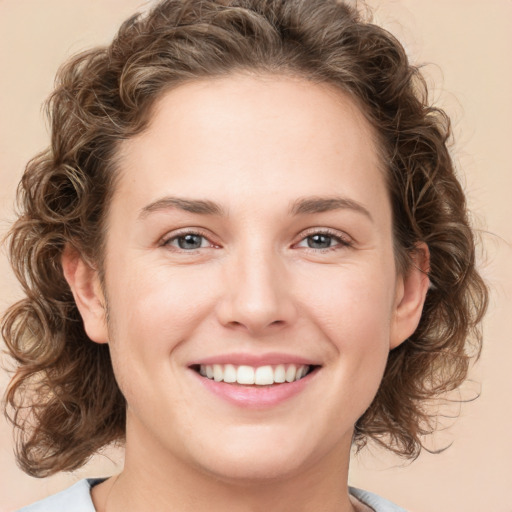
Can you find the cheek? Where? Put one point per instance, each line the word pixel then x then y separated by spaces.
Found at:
pixel 160 299
pixel 355 299
pixel 354 314
pixel 150 315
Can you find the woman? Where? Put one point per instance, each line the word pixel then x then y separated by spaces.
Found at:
pixel 244 252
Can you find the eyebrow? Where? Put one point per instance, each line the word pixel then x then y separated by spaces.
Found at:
pixel 301 206
pixel 318 204
pixel 199 206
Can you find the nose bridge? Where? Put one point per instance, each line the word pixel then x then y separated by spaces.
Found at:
pixel 257 296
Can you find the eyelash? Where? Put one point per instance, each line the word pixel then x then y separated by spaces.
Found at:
pixel 166 242
pixel 342 242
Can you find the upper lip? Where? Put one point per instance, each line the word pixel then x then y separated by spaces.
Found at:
pixel 255 360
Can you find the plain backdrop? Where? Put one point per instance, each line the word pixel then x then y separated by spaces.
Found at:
pixel 466 47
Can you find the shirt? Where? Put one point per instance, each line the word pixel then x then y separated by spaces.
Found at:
pixel 77 498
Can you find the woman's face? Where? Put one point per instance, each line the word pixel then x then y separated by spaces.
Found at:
pixel 250 236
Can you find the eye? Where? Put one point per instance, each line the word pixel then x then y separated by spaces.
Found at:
pixel 324 241
pixel 188 241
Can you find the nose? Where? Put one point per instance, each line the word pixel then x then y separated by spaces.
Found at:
pixel 257 296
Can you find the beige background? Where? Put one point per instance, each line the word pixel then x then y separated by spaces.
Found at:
pixel 470 42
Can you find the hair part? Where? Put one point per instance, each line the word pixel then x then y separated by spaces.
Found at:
pixel 63 397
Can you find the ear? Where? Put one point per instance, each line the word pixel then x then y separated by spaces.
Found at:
pixel 85 285
pixel 411 291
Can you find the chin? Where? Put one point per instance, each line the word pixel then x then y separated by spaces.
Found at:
pixel 241 462
pixel 249 470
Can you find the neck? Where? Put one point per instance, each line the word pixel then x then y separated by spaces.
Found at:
pixel 153 476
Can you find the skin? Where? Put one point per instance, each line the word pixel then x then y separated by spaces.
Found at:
pixel 255 145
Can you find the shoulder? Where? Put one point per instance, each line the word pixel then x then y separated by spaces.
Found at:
pixel 76 498
pixel 376 502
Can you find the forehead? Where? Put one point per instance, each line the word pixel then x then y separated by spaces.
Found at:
pixel 243 136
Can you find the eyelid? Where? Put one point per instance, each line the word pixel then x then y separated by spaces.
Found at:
pixel 344 239
pixel 169 237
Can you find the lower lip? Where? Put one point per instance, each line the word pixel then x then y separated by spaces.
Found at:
pixel 256 397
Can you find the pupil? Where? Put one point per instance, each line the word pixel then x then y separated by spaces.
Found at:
pixel 319 241
pixel 190 241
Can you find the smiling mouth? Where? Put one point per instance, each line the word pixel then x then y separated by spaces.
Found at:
pixel 267 375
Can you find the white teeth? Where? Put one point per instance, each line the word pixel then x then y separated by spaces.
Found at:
pixel 218 374
pixel 291 372
pixel 261 376
pixel 245 375
pixel 229 373
pixel 264 376
pixel 280 373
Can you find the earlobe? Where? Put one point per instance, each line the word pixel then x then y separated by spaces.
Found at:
pixel 410 297
pixel 85 285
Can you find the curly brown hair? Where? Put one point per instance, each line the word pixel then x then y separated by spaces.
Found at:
pixel 63 396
